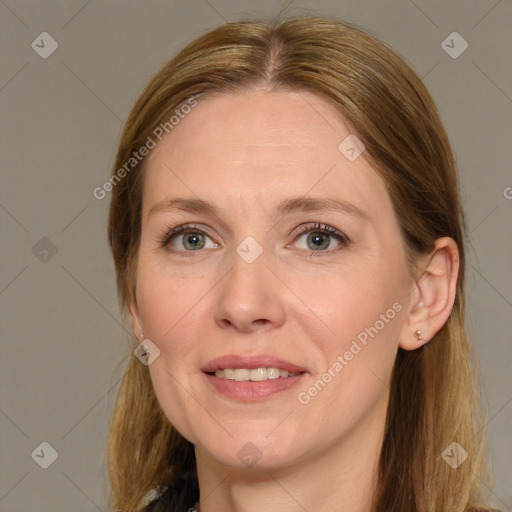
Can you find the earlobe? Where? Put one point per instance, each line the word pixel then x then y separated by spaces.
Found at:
pixel 433 295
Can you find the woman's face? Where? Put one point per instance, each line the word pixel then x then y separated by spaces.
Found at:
pixel 291 259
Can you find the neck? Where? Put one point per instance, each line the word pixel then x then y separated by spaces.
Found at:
pixel 341 478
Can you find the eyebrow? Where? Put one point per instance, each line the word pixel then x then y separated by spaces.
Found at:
pixel 299 204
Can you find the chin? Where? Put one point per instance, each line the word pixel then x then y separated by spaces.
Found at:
pixel 254 451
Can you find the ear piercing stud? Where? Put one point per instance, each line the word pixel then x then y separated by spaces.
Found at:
pixel 419 336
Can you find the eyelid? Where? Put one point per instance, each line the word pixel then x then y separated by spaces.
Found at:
pixel 169 234
pixel 317 226
pixel 296 233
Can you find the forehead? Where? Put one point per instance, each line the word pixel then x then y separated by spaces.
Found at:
pixel 254 148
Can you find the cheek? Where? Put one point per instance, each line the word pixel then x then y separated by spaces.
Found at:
pixel 357 301
pixel 362 311
pixel 165 301
pixel 172 316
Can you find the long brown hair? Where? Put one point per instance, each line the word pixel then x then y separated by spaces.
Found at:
pixel 434 398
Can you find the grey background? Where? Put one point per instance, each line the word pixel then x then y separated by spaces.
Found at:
pixel 61 121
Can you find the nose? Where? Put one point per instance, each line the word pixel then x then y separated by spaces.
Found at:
pixel 250 298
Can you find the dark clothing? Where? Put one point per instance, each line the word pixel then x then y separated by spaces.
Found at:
pixel 182 496
pixel 179 498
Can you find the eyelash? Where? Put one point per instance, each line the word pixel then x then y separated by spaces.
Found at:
pixel 325 229
pixel 343 240
pixel 180 230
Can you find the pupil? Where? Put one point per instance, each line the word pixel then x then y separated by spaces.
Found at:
pixel 194 241
pixel 319 240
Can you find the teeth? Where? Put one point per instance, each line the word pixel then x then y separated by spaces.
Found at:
pixel 273 373
pixel 242 374
pixel 257 374
pixel 253 374
pixel 229 373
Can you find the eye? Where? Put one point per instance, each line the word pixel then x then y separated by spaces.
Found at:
pixel 186 239
pixel 319 238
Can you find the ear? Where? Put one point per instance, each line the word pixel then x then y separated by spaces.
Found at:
pixel 134 320
pixel 432 296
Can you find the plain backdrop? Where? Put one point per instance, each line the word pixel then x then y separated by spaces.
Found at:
pixel 62 335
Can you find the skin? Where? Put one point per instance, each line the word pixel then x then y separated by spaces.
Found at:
pixel 245 153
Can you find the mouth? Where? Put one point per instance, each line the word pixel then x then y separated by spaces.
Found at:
pixel 253 374
pixel 252 378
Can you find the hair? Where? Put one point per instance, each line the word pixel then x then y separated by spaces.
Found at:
pixel 434 397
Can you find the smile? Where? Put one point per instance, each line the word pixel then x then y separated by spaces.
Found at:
pixel 254 374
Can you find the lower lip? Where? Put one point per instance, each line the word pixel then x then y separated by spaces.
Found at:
pixel 251 391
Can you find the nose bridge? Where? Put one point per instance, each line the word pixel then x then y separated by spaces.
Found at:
pixel 248 296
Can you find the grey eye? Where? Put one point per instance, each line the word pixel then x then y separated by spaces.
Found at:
pixel 317 240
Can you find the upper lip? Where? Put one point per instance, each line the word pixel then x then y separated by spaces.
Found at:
pixel 249 362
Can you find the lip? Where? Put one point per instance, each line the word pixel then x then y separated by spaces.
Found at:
pixel 250 362
pixel 251 391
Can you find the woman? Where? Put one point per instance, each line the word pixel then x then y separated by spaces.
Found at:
pixel 289 245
